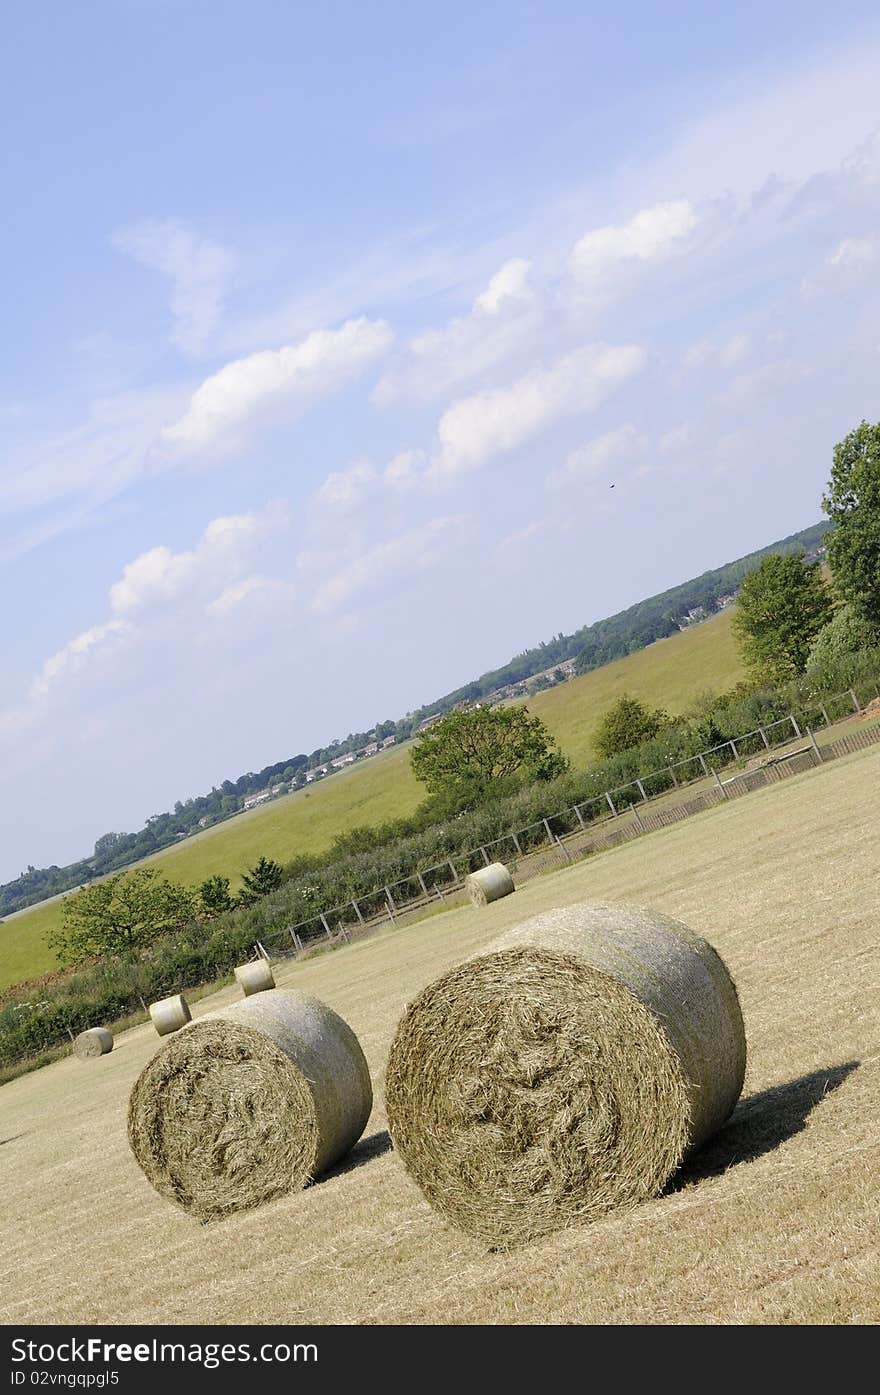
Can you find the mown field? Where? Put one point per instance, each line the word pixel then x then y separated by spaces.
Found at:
pixel 669 674
pixel 775 1221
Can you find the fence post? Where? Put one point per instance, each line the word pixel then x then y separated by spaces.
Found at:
pixel 486 858
pixel 732 745
pixel 815 744
pixel 671 769
pixel 825 714
pixel 764 737
pixel 702 763
pixel 856 703
pixel 451 865
pixel 142 1003
pixel 718 782
pixel 297 942
pixel 425 891
pixel 390 899
pixel 638 818
pixel 797 730
pixel 561 845
pixel 519 850
pixel 357 911
pixel 262 950
pixel 580 818
pixel 390 904
pixel 326 926
pixel 642 791
pixel 549 830
pixel 611 804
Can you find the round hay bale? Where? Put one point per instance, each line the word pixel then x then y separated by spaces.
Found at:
pixel 249 1103
pixel 489 884
pixel 564 1072
pixel 255 977
pixel 170 1014
pixel 96 1041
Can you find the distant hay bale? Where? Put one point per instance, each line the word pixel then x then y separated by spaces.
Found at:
pixel 249 1103
pixel 564 1072
pixel 96 1041
pixel 170 1014
pixel 489 884
pixel 255 977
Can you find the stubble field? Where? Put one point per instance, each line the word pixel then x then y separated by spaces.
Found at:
pixel 775 1221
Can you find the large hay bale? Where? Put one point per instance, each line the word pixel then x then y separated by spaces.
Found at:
pixel 170 1014
pixel 489 884
pixel 96 1041
pixel 249 1103
pixel 564 1072
pixel 255 977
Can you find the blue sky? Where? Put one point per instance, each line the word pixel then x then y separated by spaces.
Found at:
pixel 327 329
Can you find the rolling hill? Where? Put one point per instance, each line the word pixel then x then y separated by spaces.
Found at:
pixel 669 673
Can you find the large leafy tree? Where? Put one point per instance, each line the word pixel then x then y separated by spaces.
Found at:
pixel 121 916
pixel 853 504
pixel 265 876
pixel 627 723
pixel 479 753
pixel 781 607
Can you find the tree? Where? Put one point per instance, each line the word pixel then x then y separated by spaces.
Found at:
pixel 214 895
pixel 845 637
pixel 627 723
pixel 259 880
pixel 121 915
pixel 107 842
pixel 853 505
pixel 479 753
pixel 781 607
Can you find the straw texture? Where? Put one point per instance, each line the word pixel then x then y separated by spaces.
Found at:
pixel 249 1103
pixel 489 884
pixel 254 977
pixel 565 1072
pixel 96 1041
pixel 170 1014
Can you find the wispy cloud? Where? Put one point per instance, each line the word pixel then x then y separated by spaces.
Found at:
pixel 413 550
pixel 651 235
pixel 593 459
pixel 76 653
pixel 199 271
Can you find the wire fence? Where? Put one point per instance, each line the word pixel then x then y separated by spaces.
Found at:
pixel 613 817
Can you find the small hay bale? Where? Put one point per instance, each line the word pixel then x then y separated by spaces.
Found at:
pixel 170 1014
pixel 96 1041
pixel 564 1072
pixel 489 884
pixel 255 977
pixel 249 1103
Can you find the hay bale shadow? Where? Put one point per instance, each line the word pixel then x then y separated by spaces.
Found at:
pixel 364 1152
pixel 761 1123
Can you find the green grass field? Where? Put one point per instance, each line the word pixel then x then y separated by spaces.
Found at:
pixel 773 1222
pixel 668 674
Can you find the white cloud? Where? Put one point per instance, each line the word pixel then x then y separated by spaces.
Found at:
pixel 298 373
pixel 344 488
pixel 510 283
pixel 159 575
pixel 402 471
pixel 594 458
pixel 735 350
pixel 489 423
pixel 854 251
pixel 199 271
pixel 501 319
pixel 651 236
pixel 768 377
pixel 262 588
pixel 76 654
pixel 414 550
